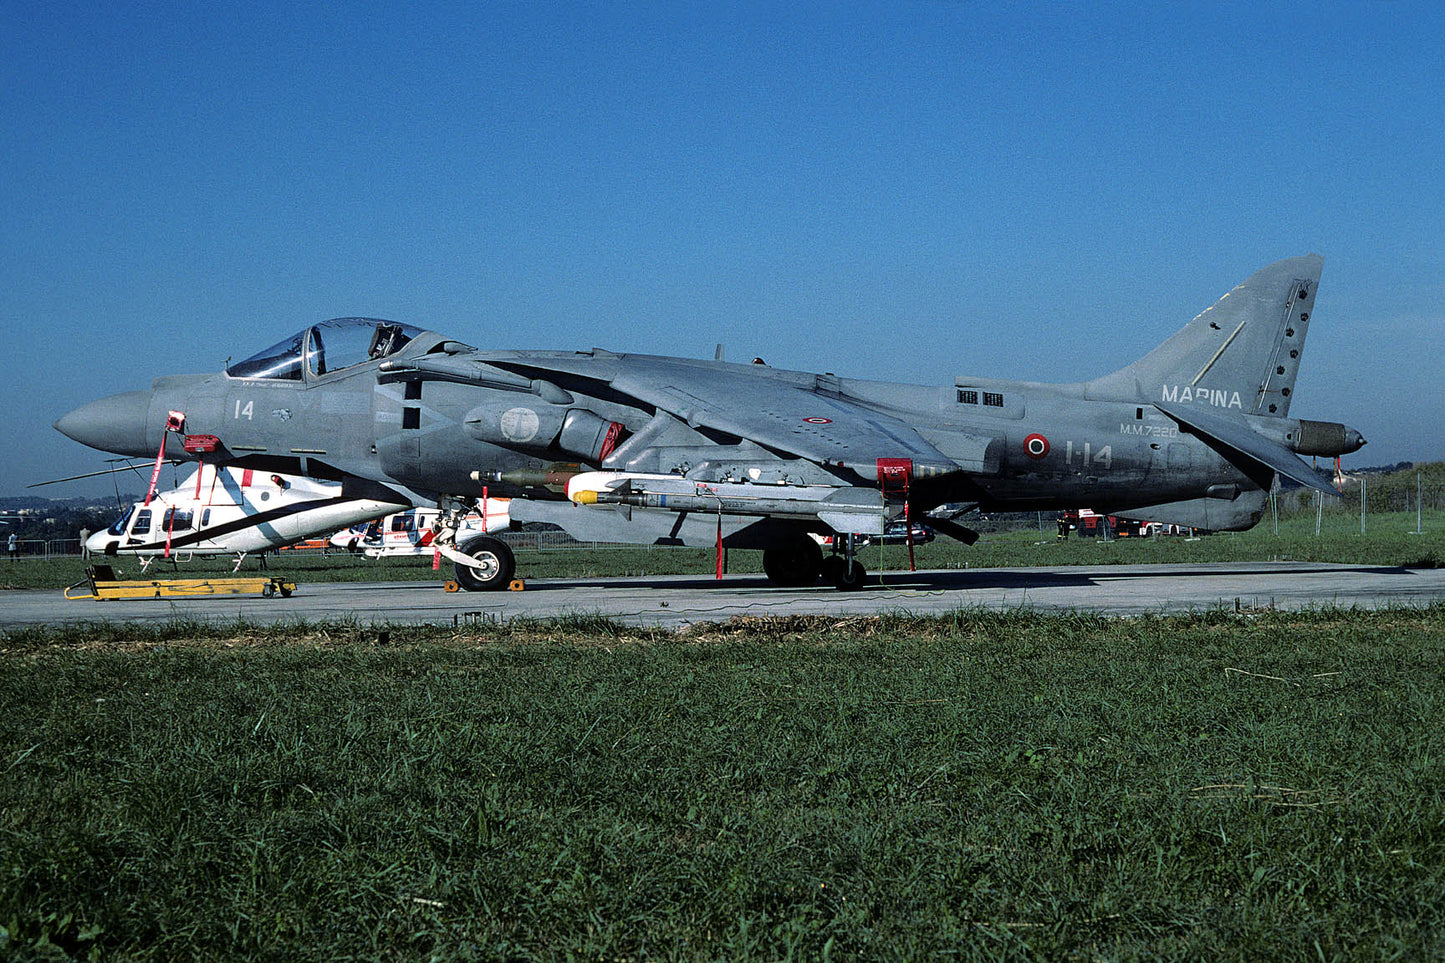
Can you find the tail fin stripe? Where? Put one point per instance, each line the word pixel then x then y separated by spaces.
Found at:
pixel 1222 348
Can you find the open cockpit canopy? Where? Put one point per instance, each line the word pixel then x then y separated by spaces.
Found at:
pixel 326 347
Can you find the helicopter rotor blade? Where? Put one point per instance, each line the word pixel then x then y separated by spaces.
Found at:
pixel 92 474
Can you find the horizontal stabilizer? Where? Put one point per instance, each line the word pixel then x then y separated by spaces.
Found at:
pixel 1241 440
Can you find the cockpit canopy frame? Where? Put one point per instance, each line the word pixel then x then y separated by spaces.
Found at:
pixel 325 348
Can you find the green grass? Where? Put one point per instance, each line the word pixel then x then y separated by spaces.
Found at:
pixel 990 786
pixel 1390 540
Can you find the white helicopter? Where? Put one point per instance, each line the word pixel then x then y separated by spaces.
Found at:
pixel 410 533
pixel 232 511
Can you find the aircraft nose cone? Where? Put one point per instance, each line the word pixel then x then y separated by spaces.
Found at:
pixel 1354 441
pixel 116 424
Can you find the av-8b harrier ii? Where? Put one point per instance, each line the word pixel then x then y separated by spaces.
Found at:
pixel 657 450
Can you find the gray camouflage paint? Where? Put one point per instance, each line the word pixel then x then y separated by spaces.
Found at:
pixel 1193 433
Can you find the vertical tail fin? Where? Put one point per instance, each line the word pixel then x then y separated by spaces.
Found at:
pixel 1241 354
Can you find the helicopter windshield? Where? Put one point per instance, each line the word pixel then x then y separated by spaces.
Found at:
pixel 118 526
pixel 326 347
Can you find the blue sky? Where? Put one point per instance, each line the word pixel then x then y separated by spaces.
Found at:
pixel 906 190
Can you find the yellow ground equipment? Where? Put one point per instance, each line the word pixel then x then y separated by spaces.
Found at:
pixel 101 583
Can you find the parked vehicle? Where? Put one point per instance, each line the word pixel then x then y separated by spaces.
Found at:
pixel 898 532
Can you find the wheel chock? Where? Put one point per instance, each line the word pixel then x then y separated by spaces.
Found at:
pixel 517 585
pixel 451 585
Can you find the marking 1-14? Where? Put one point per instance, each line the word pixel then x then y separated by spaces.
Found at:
pixel 1104 457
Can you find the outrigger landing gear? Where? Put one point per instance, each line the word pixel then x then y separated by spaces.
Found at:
pixel 845 575
pixel 843 569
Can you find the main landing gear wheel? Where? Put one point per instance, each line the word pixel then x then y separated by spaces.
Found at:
pixel 847 578
pixel 494 568
pixel 793 566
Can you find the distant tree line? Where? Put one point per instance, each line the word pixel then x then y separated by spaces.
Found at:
pixel 52 519
pixel 1396 490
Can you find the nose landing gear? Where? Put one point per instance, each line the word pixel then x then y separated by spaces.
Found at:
pixel 482 563
pixel 492 567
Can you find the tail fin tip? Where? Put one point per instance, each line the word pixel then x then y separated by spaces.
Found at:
pixel 1240 354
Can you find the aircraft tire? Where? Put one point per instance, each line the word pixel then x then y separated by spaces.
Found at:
pixel 793 566
pixel 496 569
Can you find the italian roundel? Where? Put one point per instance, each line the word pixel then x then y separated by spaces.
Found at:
pixel 1036 446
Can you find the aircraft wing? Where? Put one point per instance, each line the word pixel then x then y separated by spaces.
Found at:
pixel 788 416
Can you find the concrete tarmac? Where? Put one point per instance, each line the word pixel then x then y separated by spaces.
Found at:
pixel 682 600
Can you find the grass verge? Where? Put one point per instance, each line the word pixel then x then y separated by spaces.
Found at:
pixel 991 786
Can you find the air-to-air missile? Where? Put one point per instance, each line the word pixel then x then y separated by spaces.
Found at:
pixel 858 510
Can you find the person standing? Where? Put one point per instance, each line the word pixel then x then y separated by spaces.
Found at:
pixel 84 537
pixel 12 547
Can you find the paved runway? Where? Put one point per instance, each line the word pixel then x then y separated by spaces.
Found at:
pixel 679 601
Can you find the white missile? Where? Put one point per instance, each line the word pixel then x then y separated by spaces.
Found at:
pixel 843 509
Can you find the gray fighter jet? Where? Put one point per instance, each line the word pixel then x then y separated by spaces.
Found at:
pixel 656 450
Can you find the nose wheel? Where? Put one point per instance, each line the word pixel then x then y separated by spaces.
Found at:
pixel 492 568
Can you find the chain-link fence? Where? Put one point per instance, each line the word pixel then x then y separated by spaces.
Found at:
pixel 545 541
pixel 1392 500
